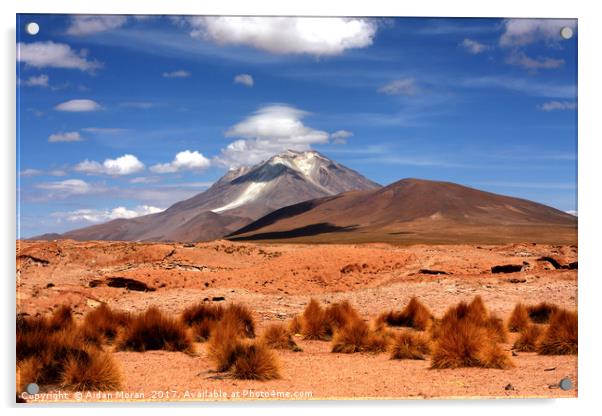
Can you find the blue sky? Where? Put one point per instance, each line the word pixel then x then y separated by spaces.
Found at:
pixel 120 116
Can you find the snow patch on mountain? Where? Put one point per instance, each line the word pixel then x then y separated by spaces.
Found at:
pixel 250 193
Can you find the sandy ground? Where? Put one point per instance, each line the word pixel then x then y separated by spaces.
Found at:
pixel 277 281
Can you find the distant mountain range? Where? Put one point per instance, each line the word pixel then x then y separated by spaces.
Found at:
pixel 306 197
pixel 241 196
pixel 413 211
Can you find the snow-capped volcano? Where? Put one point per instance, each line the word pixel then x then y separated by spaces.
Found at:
pixel 239 197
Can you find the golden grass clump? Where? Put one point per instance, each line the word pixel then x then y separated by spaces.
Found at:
pixel 294 326
pixel 410 345
pixel 357 337
pixel 91 369
pixel 240 318
pixel 244 359
pixel 541 313
pixel 414 315
pixel 255 361
pixel 153 330
pixel 51 356
pixel 529 338
pixel 313 322
pixel 202 318
pixel 340 314
pixel 519 319
pixel 202 312
pixel 467 336
pixel 277 336
pixel 62 318
pixel 101 325
pixel 561 336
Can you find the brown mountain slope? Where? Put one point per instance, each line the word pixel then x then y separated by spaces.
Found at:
pixel 413 210
pixel 239 197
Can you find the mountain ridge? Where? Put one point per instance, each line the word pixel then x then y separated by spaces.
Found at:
pixel 239 197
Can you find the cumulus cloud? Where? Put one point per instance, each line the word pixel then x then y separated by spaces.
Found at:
pixel 340 136
pixel 519 32
pixel 185 160
pixel 521 59
pixel 244 79
pixel 286 35
pixel 474 46
pixel 557 105
pixel 271 129
pixel 176 74
pixel 54 55
pixel 77 106
pixel 66 188
pixel 69 136
pixel 124 165
pixel 402 86
pixel 572 212
pixel 39 81
pixel 99 215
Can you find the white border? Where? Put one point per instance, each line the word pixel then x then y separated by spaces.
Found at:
pixel 589 183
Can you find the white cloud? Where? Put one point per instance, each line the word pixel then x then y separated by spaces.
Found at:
pixel 185 160
pixel 271 129
pixel 474 46
pixel 30 172
pixel 572 212
pixel 67 187
pixel 144 105
pixel 519 32
pixel 286 35
pixel 89 25
pixel 521 59
pixel 37 172
pixel 340 136
pixel 39 81
pixel 69 136
pixel 80 105
pixel 104 130
pixel 244 79
pixel 176 74
pixel 124 165
pixel 402 86
pixel 98 215
pixel 53 55
pixel 557 105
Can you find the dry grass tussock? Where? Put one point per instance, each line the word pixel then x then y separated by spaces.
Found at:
pixel 102 325
pixel 243 358
pixel 414 315
pixel 541 313
pixel 410 345
pixel 277 336
pixel 467 336
pixel 358 337
pixel 519 319
pixel 529 338
pixel 153 330
pixel 52 352
pixel 561 336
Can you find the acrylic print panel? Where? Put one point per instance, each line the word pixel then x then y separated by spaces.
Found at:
pixel 248 208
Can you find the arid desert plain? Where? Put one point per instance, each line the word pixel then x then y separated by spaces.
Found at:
pixel 275 282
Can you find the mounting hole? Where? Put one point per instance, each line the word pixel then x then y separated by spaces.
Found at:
pixel 566 33
pixel 566 384
pixel 32 28
pixel 33 388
